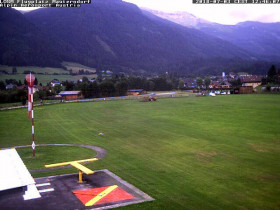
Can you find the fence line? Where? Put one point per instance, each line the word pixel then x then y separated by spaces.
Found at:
pixel 130 97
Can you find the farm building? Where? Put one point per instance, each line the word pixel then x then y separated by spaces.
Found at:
pixel 136 92
pixel 70 95
pixel 253 81
pixel 246 90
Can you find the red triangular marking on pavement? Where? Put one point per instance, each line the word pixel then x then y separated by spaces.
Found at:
pixel 88 194
pixel 116 195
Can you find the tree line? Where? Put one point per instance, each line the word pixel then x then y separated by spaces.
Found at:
pixel 273 77
pixel 118 85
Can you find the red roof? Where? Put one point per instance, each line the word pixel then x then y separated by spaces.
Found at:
pixel 214 83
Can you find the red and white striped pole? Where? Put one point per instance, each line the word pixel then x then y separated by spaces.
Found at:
pixel 30 80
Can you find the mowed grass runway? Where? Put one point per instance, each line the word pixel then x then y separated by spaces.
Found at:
pixel 188 153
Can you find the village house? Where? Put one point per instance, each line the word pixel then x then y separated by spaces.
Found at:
pixel 223 85
pixel 252 81
pixel 213 84
pixel 10 86
pixel 55 82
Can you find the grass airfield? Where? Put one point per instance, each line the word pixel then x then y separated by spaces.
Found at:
pixel 188 153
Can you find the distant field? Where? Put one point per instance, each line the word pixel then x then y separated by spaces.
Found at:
pixel 75 67
pixel 188 153
pixel 50 70
pixel 43 70
pixel 44 79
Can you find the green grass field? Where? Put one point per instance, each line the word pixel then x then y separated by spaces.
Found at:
pixel 50 70
pixel 43 78
pixel 36 69
pixel 75 67
pixel 188 153
pixel 44 154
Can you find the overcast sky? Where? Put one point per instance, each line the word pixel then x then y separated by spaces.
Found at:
pixel 219 13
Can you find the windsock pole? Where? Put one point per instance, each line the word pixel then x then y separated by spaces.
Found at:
pixel 30 80
pixel 32 124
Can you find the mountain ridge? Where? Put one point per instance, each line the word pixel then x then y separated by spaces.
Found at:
pixel 261 40
pixel 118 35
pixel 179 17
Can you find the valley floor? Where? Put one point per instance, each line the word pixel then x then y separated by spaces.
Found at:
pixel 187 153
